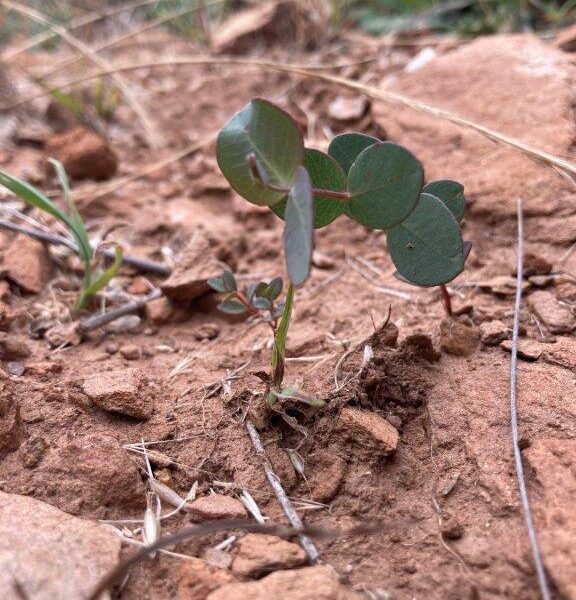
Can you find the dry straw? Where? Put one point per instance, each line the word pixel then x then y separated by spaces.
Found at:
pixel 316 72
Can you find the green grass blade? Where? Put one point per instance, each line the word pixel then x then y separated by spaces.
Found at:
pixel 32 196
pixel 77 227
pixel 102 280
pixel 282 333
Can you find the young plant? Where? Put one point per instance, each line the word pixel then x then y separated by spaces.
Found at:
pixel 94 280
pixel 378 184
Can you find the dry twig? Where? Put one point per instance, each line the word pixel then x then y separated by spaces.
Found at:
pixel 289 511
pixel 536 554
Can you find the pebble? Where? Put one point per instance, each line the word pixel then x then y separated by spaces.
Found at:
pixel 216 506
pixel 557 318
pixel 369 428
pixel 459 338
pixel 131 352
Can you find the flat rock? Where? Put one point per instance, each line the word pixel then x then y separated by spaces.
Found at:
pixel 51 554
pixel 197 579
pixel 216 506
pixel 265 25
pixel 459 338
pixel 494 332
pixel 370 429
pixel 259 554
pixel 124 391
pixel 554 464
pixel 83 153
pixel 528 350
pixel 90 474
pixel 310 583
pixel 195 265
pixel 491 84
pixel 557 318
pixel 27 263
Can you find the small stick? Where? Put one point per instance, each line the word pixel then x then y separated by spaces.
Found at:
pixel 96 321
pixel 287 507
pixel 56 240
pixel 528 519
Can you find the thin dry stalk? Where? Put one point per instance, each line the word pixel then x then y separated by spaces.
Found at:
pixel 289 511
pixel 524 500
pixel 386 96
pixel 154 137
pixel 89 19
pixel 130 34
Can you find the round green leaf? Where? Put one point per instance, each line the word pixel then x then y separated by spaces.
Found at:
pixel 273 137
pixel 451 193
pixel 325 174
pixel 385 183
pixel 346 147
pixel 427 247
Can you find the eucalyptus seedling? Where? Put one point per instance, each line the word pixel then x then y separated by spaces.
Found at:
pixel 94 280
pixel 378 184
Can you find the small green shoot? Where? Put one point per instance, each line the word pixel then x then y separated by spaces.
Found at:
pixel 94 281
pixel 380 185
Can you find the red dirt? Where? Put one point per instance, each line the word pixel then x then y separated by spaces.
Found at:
pixel 454 453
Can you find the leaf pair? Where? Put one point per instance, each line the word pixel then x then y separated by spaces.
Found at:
pixel 272 141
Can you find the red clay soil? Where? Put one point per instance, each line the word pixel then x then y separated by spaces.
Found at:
pixel 448 496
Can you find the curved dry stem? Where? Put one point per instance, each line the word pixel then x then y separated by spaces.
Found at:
pixel 386 96
pixel 46 36
pixel 152 134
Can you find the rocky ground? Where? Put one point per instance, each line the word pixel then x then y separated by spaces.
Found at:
pixel 418 439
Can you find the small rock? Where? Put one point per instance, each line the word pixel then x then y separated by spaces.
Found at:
pixel 32 452
pixel 15 368
pixel 195 265
pixel 139 286
pixel 458 338
pixel 542 281
pixel 42 369
pixel 370 429
pixel 420 344
pixel 327 477
pixel 309 583
pixel 534 265
pixel 395 420
pixel 67 558
pixel 207 331
pixel 124 391
pixel 265 25
pixel 125 324
pixel 131 352
pixel 216 506
pixel 322 261
pixel 348 108
pixel 84 154
pixel 197 579
pixel 13 348
pixel 91 473
pixel 64 334
pixel 11 429
pixel 527 349
pixel 452 529
pixel 259 554
pixel 27 263
pixel 159 311
pixel 494 332
pixel 557 318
